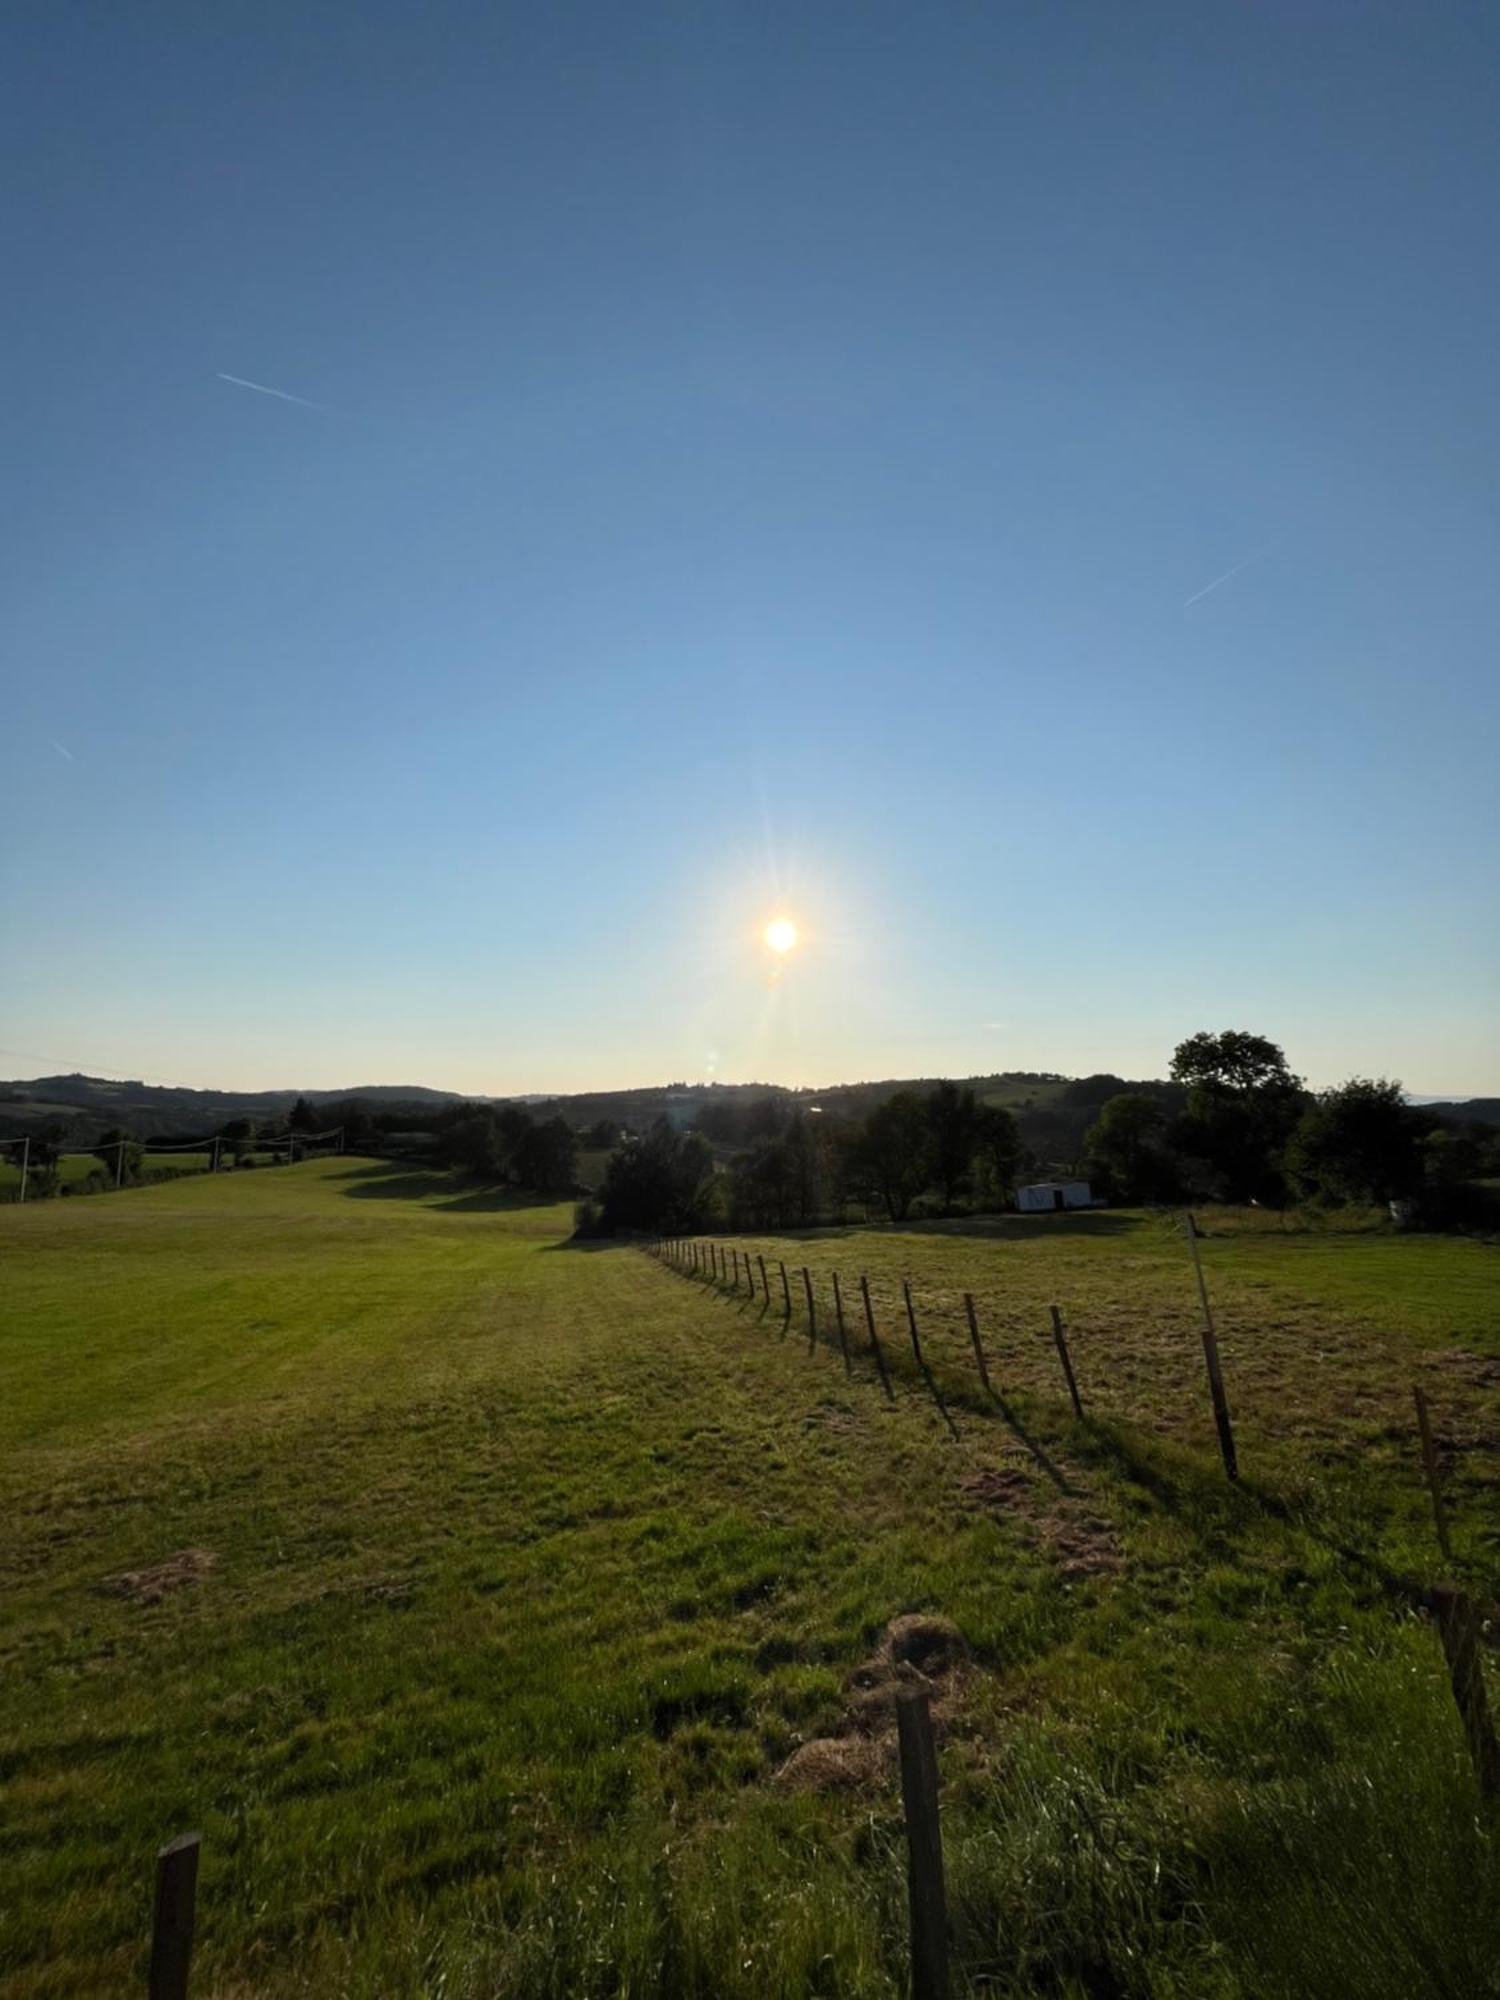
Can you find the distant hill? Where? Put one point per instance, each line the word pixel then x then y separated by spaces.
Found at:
pixel 1463 1111
pixel 1053 1112
pixel 86 1105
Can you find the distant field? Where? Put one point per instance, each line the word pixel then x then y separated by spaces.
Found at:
pixel 479 1595
pixel 78 1170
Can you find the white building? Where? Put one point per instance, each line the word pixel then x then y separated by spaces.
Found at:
pixel 1046 1195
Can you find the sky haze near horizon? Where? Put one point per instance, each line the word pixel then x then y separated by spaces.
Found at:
pixel 500 503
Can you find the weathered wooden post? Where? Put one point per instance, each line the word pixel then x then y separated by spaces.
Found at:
pixel 875 1347
pixel 1458 1627
pixel 786 1293
pixel 1429 1460
pixel 838 1313
pixel 1211 1358
pixel 812 1312
pixel 926 1899
pixel 1060 1340
pixel 172 1918
pixel 984 1373
pixel 765 1282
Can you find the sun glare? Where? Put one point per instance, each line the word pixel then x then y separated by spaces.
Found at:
pixel 781 935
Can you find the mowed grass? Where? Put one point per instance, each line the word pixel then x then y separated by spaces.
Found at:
pixel 532 1564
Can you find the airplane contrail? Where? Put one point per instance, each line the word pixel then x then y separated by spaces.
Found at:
pixel 281 395
pixel 61 750
pixel 1227 575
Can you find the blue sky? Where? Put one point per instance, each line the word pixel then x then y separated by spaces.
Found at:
pixel 762 457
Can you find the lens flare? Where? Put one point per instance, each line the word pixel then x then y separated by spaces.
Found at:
pixel 781 935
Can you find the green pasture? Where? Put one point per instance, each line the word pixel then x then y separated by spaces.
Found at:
pixel 477 1594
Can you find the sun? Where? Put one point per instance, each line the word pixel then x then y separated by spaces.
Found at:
pixel 781 935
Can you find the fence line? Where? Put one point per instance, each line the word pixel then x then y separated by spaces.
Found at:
pixel 949 1338
pixel 213 1145
pixel 1460 1625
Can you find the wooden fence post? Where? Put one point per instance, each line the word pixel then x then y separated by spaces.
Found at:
pixel 924 1846
pixel 984 1373
pixel 838 1313
pixel 786 1293
pixel 1429 1460
pixel 172 1918
pixel 765 1282
pixel 736 1256
pixel 875 1348
pixel 1061 1341
pixel 812 1312
pixel 1458 1628
pixel 1211 1357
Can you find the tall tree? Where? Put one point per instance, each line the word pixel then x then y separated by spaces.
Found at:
pixel 1126 1148
pixel 1359 1142
pixel 1233 1061
pixel 897 1151
pixel 953 1134
pixel 547 1158
pixel 661 1182
pixel 1243 1101
pixel 997 1146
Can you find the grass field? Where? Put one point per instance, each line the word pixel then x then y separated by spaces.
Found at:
pixel 508 1614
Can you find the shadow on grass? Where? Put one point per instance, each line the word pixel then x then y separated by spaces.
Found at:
pixel 386 1182
pixel 1019 1228
pixel 1201 1498
pixel 994 1228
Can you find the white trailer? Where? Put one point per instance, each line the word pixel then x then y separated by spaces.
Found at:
pixel 1043 1197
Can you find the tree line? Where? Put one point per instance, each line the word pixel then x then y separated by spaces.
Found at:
pixel 1234 1124
pixel 794 1167
pixel 1248 1130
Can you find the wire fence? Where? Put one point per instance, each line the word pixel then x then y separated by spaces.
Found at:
pixel 28 1164
pixel 950 1340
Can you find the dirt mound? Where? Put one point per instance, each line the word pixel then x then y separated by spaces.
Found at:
pixel 1083 1543
pixel 835 1764
pixel 934 1646
pixel 918 1649
pixel 174 1572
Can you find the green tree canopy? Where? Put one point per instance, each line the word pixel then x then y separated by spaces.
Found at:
pixel 661 1183
pixel 1359 1142
pixel 1127 1148
pixel 997 1145
pixel 896 1152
